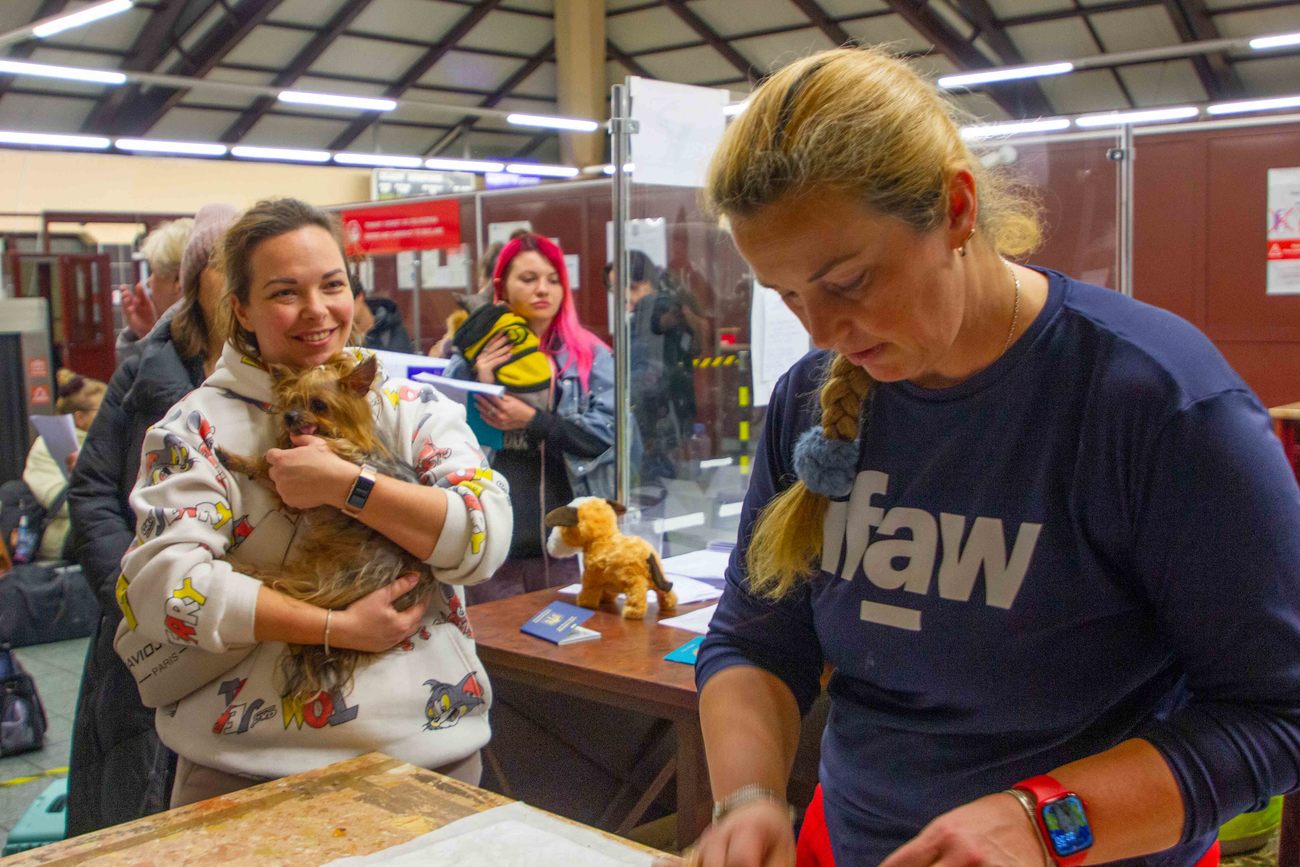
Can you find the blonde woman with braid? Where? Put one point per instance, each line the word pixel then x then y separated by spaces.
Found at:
pixel 1041 531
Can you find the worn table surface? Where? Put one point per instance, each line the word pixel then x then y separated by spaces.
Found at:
pixel 624 668
pixel 353 807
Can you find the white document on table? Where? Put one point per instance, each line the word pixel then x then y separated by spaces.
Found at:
pixel 514 835
pixel 704 565
pixel 695 621
pixel 60 435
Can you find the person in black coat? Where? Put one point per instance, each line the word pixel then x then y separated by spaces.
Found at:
pixel 119 770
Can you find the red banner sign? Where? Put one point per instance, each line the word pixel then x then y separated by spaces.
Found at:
pixel 391 229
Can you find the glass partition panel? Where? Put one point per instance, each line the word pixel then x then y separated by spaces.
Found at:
pixel 1076 180
pixel 692 305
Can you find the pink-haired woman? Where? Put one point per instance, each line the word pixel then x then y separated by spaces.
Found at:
pixel 563 451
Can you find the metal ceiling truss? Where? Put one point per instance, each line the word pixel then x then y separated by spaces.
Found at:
pixel 465 124
pixel 158 36
pixel 1193 22
pixel 24 50
pixel 436 52
pixel 709 35
pixel 140 115
pixel 301 62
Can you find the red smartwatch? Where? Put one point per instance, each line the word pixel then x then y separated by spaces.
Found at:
pixel 1060 816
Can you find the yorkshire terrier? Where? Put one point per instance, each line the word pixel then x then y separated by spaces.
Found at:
pixel 339 559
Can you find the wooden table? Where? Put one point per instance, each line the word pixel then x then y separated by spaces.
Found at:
pixel 625 668
pixel 1286 420
pixel 353 807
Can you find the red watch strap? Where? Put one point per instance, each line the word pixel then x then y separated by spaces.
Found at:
pixel 1044 789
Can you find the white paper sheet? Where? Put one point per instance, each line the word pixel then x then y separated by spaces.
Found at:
pixel 514 835
pixel 650 236
pixel 680 127
pixel 777 340
pixel 459 389
pixel 60 435
pixel 502 231
pixel 1283 262
pixel 695 621
pixel 406 269
pixel 688 590
pixel 707 565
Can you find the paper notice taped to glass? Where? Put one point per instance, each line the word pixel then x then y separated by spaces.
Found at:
pixel 777 341
pixel 679 127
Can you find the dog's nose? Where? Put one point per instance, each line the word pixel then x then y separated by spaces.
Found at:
pixel 292 417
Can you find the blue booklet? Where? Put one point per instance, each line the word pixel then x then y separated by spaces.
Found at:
pixel 560 623
pixel 688 652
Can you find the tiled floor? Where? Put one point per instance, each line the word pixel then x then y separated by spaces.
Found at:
pixel 57 671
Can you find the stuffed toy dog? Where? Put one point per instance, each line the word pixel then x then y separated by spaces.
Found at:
pixel 611 562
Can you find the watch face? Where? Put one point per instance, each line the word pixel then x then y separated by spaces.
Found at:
pixel 1067 825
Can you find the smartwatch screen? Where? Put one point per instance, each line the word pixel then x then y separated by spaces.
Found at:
pixel 1067 825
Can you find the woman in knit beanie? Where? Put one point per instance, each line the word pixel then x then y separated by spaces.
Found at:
pixel 119 769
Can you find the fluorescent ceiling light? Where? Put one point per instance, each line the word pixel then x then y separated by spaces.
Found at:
pixel 154 146
pixel 1245 105
pixel 40 139
pixel 365 103
pixel 1119 118
pixel 439 164
pixel 553 122
pixel 80 17
pixel 384 160
pixel 1010 73
pixel 1018 127
pixel 541 170
pixel 735 108
pixel 295 155
pixel 608 168
pixel 69 73
pixel 1282 39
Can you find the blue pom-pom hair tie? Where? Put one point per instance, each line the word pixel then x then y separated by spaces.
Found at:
pixel 825 466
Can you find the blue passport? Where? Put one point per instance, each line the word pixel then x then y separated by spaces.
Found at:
pixel 560 623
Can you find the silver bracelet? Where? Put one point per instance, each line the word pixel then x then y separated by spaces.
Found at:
pixel 1031 810
pixel 329 612
pixel 745 795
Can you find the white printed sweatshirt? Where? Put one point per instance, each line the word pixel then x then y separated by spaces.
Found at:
pixel 425 701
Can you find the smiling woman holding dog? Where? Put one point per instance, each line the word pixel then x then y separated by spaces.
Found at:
pixel 1042 532
pixel 421 695
pixel 557 416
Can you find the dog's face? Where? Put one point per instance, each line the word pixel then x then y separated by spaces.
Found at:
pixel 327 401
pixel 584 520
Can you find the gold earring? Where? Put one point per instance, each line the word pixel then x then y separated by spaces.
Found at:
pixel 961 251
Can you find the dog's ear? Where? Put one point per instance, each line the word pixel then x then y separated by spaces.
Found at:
pixel 278 371
pixel 619 508
pixel 360 377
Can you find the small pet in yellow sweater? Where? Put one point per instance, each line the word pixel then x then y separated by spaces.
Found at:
pixel 611 562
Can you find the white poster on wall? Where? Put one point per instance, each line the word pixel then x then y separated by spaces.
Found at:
pixel 777 340
pixel 680 126
pixel 573 265
pixel 1283 231
pixel 502 231
pixel 648 236
pixel 406 269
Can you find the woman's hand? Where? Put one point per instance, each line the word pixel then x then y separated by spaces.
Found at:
pixel 496 353
pixel 137 309
pixel 757 834
pixel 70 461
pixel 372 623
pixel 309 474
pixel 506 412
pixel 995 830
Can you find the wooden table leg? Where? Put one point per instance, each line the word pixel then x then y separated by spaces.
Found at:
pixel 694 797
pixel 1288 850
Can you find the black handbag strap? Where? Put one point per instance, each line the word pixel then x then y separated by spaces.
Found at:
pixel 52 510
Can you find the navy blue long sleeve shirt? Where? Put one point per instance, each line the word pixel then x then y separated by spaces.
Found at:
pixel 1095 538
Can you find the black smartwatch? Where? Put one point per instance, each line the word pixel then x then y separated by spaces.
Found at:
pixel 360 492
